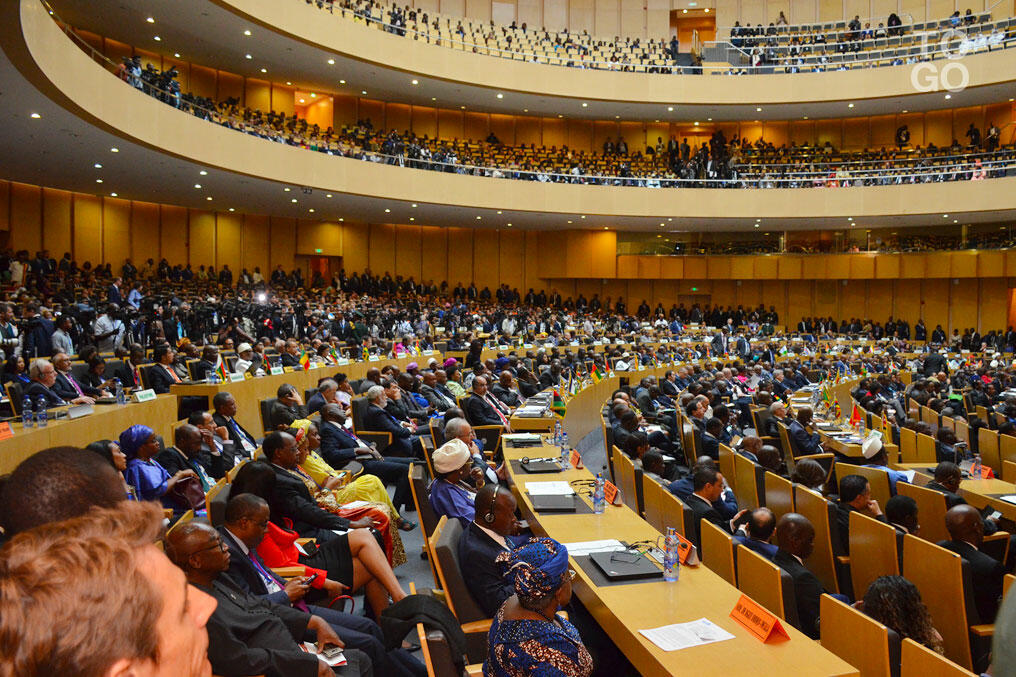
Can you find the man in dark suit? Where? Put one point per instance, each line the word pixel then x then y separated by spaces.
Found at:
pixel 710 438
pixel 936 362
pixel 437 397
pixel 339 446
pixel 708 487
pixel 855 495
pixel 43 375
pixel 225 412
pixel 162 376
pixel 755 533
pixel 377 419
pixel 986 573
pixel 777 416
pixel 551 378
pixel 247 635
pixel 67 387
pixel 290 499
pixel 796 539
pixel 291 354
pixel 487 536
pixel 668 386
pixel 325 394
pixel 482 408
pixel 504 392
pixel 721 342
pixel 38 334
pixel 401 403
pixel 947 482
pixel 114 294
pixel 129 371
pixel 288 407
pixel 187 454
pixel 807 442
pixel 244 528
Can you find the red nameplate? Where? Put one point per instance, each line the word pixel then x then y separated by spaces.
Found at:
pixel 576 459
pixel 757 620
pixel 5 431
pixel 609 491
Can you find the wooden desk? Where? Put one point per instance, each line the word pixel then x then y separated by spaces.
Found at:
pixel 540 424
pixel 107 422
pixel 978 493
pixel 622 610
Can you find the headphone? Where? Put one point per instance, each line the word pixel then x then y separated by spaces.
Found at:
pixel 489 516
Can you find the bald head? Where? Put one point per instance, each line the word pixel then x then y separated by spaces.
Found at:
pixel 964 524
pixel 795 534
pixel 333 412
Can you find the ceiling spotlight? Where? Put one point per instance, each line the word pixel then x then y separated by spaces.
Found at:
pixel 285 190
pixel 331 62
pixel 114 150
pixel 500 95
pixel 341 82
pixel 605 228
pixel 232 209
pixel 478 218
pixel 509 225
pixel 850 105
pixel 264 70
pixel 462 107
pixel 756 225
pixel 583 216
pixel 498 211
pixel 433 98
pixel 313 95
pixel 341 219
pixel 758 109
pixel 388 211
pixel 158 39
pixel 288 83
pixel 247 56
pixel 293 200
pixel 328 195
pixel 363 92
pixel 197 185
pixel 569 221
pixel 948 96
pixel 585 105
pixel 945 216
pixel 203 173
pixel 97 165
pixel 303 101
pixel 150 20
pixel 98 180
pixel 412 218
pixel 311 210
pixel 176 55
pixel 112 194
pixel 709 119
pixel 416 82
pixel 209 198
pixel 670 108
pixel 247 33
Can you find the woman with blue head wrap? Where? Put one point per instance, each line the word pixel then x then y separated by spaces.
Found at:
pixel 527 637
pixel 150 480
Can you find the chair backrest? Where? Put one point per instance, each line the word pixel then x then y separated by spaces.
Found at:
pixel 215 502
pixel 878 480
pixel 927 451
pixel 727 464
pixel 437 653
pixel 962 430
pixel 987 446
pixel 938 574
pixel 444 546
pixel 929 416
pixel 767 584
pixel 1006 449
pixel 265 407
pixel 920 661
pixel 873 552
pixel 235 470
pixel 358 406
pixel 858 639
pixel 652 508
pixel 748 482
pixel 490 434
pixel 184 518
pixel 779 494
pixel 817 509
pixel 16 395
pixel 625 469
pixel 418 485
pixel 676 514
pixel 718 551
pixel 908 445
pixel 931 509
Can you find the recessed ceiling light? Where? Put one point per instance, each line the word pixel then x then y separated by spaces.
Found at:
pixel 363 92
pixel 416 82
pixel 905 110
pixel 756 225
pixel 112 194
pixel 331 62
pixel 559 115
pixel 509 225
pixel 696 124
pixel 670 108
pixel 500 95
pixel 114 150
pixel 462 107
pixel 288 83
pixel 247 32
pixel 661 225
pixel 617 117
pixel 805 117
pixel 35 116
pixel 433 98
pixel 948 96
pixel 285 190
pixel 157 39
pixel 98 180
pixel 293 200
pixel 605 228
pixel 583 216
pixel 945 216
pixel 328 195
pixel 342 82
pixel 709 119
pixel 176 55
pixel 247 56
pixel 569 222
pixel 412 218
pixel 97 165
pixel 850 105
pixel 197 185
pixel 232 209
pixel 956 220
pixel 264 70
pixel 1012 99
pixel 585 105
pixel 758 109
pixel 311 210
pixel 413 205
pixel 150 20
pixel 303 101
pixel 313 95
pixel 479 218
pixel 341 219
pixel 209 198
pixel 525 110
pixel 388 211
pixel 203 173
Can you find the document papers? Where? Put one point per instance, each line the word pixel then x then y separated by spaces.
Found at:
pixel 588 547
pixel 549 489
pixel 685 635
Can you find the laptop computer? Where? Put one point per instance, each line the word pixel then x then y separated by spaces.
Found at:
pixel 554 502
pixel 625 565
pixel 540 465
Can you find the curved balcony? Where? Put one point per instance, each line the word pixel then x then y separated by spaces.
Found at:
pixel 392 193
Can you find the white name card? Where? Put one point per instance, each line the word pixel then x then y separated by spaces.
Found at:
pixel 233 378
pixel 144 395
pixel 275 371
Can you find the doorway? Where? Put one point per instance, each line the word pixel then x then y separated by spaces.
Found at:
pixel 684 22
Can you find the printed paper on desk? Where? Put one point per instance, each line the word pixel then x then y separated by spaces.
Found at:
pixel 684 635
pixel 549 489
pixel 757 620
pixel 587 547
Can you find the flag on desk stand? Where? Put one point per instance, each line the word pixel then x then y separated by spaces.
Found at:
pixel 366 353
pixel 305 360
pixel 596 374
pixel 220 371
pixel 855 415
pixel 557 405
pixel 885 422
pixel 334 353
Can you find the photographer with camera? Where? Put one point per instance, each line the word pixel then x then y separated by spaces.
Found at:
pixel 108 330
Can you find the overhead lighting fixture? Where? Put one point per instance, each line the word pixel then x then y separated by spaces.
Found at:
pixel 157 38
pixel 433 98
pixel 342 82
pixel 331 62
pixel 605 228
pixel 311 210
pixel 758 109
pixel 412 218
pixel 525 110
pixel 479 218
pixel 176 55
pixel 203 173
pixel 209 198
pixel 707 10
pixel 247 33
pixel 500 95
pixel 388 211
pixel 289 83
pixel 850 105
pixel 114 150
pixel 264 70
pixel 232 209
pixel 98 180
pixel 670 108
pixel 363 92
pixel 709 119
pixel 905 110
pixel 328 195
pixel 416 82
pixel 150 20
pixel 197 185
pixel 97 165
pixel 583 216
pixel 948 96
pixel 286 189
pixel 509 225
pixel 413 205
pixel 112 194
pixel 313 95
pixel 756 225
pixel 945 216
pixel 293 200
pixel 684 11
pixel 585 105
pixel 247 56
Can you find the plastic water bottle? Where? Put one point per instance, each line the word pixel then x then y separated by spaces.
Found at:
pixel 27 416
pixel 565 452
pixel 121 398
pixel 598 497
pixel 557 432
pixel 671 562
pixel 975 469
pixel 40 412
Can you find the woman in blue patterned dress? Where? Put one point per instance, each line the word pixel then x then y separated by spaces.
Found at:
pixel 527 637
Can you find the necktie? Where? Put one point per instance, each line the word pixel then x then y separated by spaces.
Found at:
pixel 206 482
pixel 176 379
pixel 245 440
pixel 504 421
pixel 271 581
pixel 74 383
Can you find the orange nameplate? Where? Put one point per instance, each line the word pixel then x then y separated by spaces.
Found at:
pixel 609 491
pixel 5 431
pixel 685 549
pixel 576 459
pixel 757 620
pixel 986 472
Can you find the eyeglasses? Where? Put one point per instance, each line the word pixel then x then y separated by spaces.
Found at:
pixel 219 543
pixel 571 574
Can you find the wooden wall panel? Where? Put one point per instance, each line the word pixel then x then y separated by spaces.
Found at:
pixel 862 267
pixel 963 264
pixel 817 267
pixel 649 267
pixel 790 267
pixel 695 268
pixel 408 252
pixel 56 222
pixel 314 235
pixel 992 308
pixel 26 217
pixel 511 253
pixel 229 242
pixel 144 232
pixel 628 266
pixel 202 238
pixel 255 244
pixel 912 265
pixel 434 254
pixel 887 266
pixel 282 237
pixel 460 256
pixel 355 247
pixel 963 303
pixel 800 295
pixel 116 231
pixel 935 303
pixel 990 264
pixel 767 267
pixel 258 94
pixel 174 235
pixel 382 249
pixel 5 205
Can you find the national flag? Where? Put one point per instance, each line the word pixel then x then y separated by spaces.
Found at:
pixel 826 395
pixel 305 360
pixel 885 421
pixel 558 406
pixel 366 352
pixel 334 353
pixel 220 371
pixel 855 415
pixel 596 374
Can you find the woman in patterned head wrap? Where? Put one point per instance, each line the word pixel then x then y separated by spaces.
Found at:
pixel 527 637
pixel 149 480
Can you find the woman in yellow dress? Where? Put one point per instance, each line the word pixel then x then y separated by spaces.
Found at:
pixel 335 491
